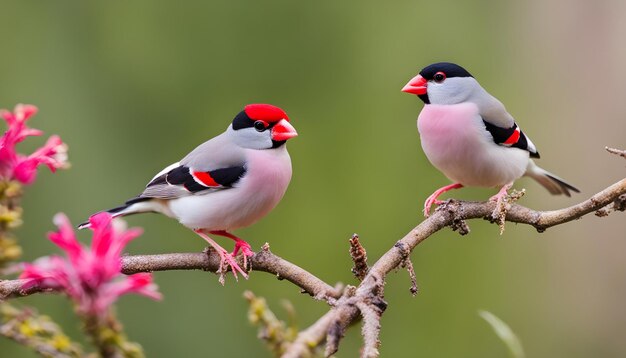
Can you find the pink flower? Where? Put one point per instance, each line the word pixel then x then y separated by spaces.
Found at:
pixel 21 167
pixel 91 277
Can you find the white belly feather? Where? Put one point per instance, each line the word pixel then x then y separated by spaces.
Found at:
pixel 254 196
pixel 455 141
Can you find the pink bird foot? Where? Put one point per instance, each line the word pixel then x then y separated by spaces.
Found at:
pixel 240 244
pixel 504 191
pixel 432 199
pixel 499 212
pixel 225 259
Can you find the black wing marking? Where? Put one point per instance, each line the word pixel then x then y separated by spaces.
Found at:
pixel 196 181
pixel 227 176
pixel 182 176
pixel 511 137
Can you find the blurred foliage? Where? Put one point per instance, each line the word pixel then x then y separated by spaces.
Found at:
pixel 276 333
pixel 10 218
pixel 133 86
pixel 109 338
pixel 505 333
pixel 37 332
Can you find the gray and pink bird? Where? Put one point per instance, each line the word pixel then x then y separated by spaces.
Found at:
pixel 226 183
pixel 469 136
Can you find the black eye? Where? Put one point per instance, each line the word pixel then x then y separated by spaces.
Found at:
pixel 259 126
pixel 439 77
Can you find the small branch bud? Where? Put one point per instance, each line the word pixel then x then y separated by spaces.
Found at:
pixel 359 257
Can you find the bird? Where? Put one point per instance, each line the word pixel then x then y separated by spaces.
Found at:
pixel 228 182
pixel 468 135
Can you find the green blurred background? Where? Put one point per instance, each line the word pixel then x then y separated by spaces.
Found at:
pixel 132 86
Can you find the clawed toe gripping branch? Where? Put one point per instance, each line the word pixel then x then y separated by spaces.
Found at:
pixel 364 301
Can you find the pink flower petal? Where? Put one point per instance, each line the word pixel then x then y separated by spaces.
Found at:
pixel 91 277
pixel 140 283
pixel 25 171
pixel 65 239
pixel 24 168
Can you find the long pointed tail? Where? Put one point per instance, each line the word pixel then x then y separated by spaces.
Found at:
pixel 132 206
pixel 554 184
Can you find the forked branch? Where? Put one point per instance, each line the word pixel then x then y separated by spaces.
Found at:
pixel 367 299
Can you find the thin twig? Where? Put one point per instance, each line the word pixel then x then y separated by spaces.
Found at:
pixel 371 329
pixel 621 153
pixel 414 289
pixel 406 263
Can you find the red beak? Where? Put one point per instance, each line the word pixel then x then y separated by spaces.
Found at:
pixel 283 130
pixel 417 85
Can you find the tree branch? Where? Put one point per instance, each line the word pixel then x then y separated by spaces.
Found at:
pixel 263 260
pixel 367 298
pixel 369 292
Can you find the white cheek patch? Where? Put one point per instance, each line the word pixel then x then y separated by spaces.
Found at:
pixel 251 138
pixel 453 90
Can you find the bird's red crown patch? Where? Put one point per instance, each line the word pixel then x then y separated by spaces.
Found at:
pixel 265 112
